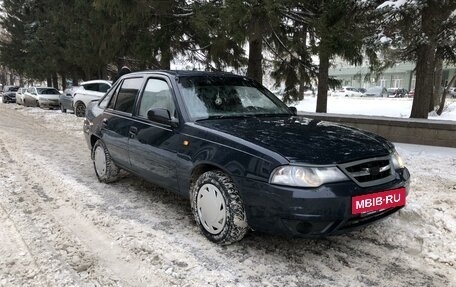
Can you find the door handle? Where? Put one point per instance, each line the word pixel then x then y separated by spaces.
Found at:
pixel 133 132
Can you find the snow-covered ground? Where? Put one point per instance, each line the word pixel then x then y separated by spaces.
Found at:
pixel 60 227
pixel 387 107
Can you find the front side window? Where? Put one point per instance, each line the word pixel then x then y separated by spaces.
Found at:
pixel 127 95
pixel 157 94
pixel 221 97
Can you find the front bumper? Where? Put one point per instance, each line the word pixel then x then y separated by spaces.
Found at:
pixel 49 103
pixel 310 213
pixel 9 98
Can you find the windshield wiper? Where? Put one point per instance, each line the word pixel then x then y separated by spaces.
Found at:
pixel 217 117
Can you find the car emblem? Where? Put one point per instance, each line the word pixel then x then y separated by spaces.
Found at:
pixel 371 170
pixel 218 101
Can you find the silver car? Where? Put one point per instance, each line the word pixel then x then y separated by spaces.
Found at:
pixel 45 97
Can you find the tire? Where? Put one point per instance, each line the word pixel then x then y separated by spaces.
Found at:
pixel 80 110
pixel 105 169
pixel 214 188
pixel 62 109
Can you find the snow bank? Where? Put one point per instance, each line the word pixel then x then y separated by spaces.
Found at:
pixel 387 107
pixel 394 4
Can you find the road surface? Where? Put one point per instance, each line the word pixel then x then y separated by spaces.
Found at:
pixel 60 227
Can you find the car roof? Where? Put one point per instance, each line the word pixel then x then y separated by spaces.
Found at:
pixel 185 73
pixel 96 82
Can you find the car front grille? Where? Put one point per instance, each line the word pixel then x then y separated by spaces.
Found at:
pixel 370 172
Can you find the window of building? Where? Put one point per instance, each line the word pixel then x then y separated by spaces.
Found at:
pixel 397 82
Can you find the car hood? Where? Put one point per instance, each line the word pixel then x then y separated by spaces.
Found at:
pixel 304 140
pixel 49 96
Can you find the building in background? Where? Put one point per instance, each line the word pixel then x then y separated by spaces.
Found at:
pixel 402 75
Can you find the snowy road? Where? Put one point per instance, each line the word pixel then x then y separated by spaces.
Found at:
pixel 60 227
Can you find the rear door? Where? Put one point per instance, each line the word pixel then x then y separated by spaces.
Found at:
pixel 152 145
pixel 117 120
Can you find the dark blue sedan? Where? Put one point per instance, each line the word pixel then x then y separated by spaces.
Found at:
pixel 242 157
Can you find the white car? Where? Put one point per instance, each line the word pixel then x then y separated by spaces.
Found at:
pixel 20 96
pixel 347 92
pixel 45 97
pixel 87 92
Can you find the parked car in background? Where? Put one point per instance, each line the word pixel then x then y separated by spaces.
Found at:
pixel 242 157
pixel 452 92
pixel 347 92
pixel 411 93
pixel 396 92
pixel 45 97
pixel 20 96
pixel 376 91
pixel 87 92
pixel 66 98
pixel 9 94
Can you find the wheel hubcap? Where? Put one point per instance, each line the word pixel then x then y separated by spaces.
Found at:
pixel 80 110
pixel 211 208
pixel 100 161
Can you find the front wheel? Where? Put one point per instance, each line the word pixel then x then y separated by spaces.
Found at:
pixel 105 169
pixel 218 209
pixel 80 110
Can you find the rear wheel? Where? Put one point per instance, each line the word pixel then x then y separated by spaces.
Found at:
pixel 218 209
pixel 80 110
pixel 105 169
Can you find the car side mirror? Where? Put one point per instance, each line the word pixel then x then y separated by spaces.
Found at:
pixel 162 116
pixel 294 110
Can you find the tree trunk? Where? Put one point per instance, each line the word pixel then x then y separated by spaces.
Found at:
pixel 255 65
pixel 322 97
pixel 166 56
pixel 62 76
pixel 425 59
pixel 49 81
pixel 74 78
pixel 445 92
pixel 437 84
pixel 55 81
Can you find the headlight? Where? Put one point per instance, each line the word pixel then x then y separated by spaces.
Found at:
pixel 306 176
pixel 398 163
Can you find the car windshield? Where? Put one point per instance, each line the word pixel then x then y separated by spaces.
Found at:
pixel 47 91
pixel 374 90
pixel 392 90
pixel 215 97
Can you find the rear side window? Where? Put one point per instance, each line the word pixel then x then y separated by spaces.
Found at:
pixel 105 100
pixel 127 95
pixel 91 87
pixel 103 88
